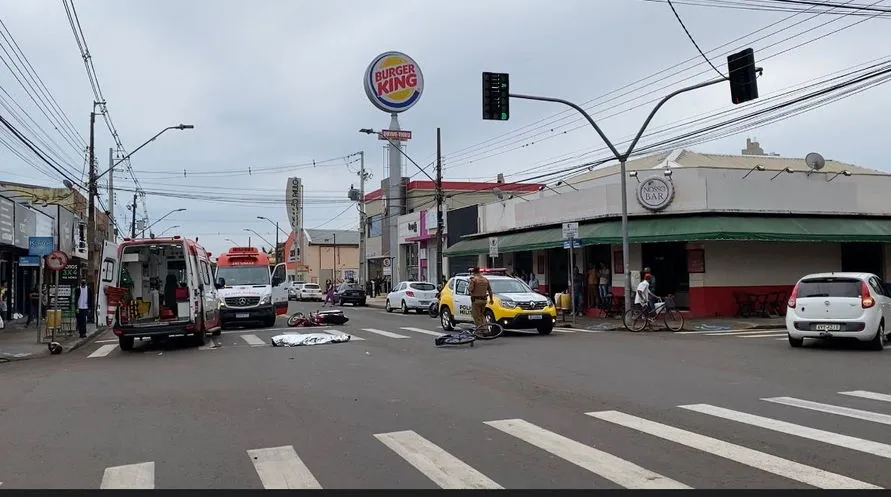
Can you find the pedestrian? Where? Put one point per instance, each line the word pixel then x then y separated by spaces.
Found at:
pixel 33 303
pixel 82 296
pixel 329 295
pixel 603 274
pixel 578 290
pixel 479 289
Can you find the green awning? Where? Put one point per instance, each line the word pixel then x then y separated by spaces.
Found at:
pixel 694 228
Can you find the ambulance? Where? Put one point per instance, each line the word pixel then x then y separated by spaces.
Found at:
pixel 249 290
pixel 157 288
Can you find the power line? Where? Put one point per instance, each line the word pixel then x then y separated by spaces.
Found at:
pixel 692 40
pixel 471 156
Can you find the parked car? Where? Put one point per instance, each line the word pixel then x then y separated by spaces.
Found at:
pixel 310 291
pixel 411 295
pixel 294 291
pixel 350 293
pixel 839 305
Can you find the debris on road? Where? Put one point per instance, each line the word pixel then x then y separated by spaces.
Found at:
pixel 297 339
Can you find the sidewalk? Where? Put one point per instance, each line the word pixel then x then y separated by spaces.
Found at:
pixel 690 324
pixel 18 343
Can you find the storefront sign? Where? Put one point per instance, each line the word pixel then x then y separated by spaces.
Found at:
pixel 67 225
pixel 25 225
pixel 29 261
pixel 7 221
pixel 40 245
pixel 696 261
pixel 655 193
pixel 393 82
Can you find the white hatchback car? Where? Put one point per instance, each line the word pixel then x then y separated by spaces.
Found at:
pixel 310 291
pixel 839 305
pixel 417 295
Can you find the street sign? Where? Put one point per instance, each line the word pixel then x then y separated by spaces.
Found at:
pixel 41 245
pixel 394 135
pixel 570 230
pixel 493 246
pixel 388 271
pixel 576 243
pixel 57 261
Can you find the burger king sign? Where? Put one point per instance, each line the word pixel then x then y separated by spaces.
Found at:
pixel 393 82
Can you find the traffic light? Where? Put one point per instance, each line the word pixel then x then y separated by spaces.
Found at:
pixel 742 75
pixel 496 99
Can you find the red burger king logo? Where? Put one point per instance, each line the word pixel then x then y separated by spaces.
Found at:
pixel 393 82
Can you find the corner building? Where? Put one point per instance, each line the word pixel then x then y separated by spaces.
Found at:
pixel 721 233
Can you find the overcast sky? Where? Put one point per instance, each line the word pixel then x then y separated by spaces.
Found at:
pixel 274 83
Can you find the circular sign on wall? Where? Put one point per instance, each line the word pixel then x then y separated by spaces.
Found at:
pixel 57 260
pixel 393 82
pixel 655 193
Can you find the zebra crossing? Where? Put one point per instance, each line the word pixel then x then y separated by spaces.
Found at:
pixel 287 467
pixel 252 338
pixel 775 334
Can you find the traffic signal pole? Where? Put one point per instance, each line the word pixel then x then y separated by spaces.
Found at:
pixel 743 87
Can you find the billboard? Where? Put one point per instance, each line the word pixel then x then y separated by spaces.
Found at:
pixel 7 221
pixel 25 225
pixel 294 202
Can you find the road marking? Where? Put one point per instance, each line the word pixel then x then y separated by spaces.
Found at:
pixel 252 340
pixel 102 351
pixel 759 460
pixel 771 335
pixel 848 442
pixel 421 330
pixel 131 476
pixel 444 469
pixel 615 469
pixel 863 394
pixel 384 333
pixel 280 468
pixel 106 341
pixel 353 338
pixel 706 332
pixel 741 333
pixel 564 330
pixel 875 417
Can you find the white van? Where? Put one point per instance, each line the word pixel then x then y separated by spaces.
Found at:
pixel 169 290
pixel 248 289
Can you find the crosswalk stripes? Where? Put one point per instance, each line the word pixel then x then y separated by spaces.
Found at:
pixel 759 460
pixel 868 395
pixel 282 467
pixel 875 417
pixel 442 468
pixel 827 437
pixel 102 351
pixel 130 476
pixel 615 469
pixel 387 334
pixel 253 340
pixel 421 330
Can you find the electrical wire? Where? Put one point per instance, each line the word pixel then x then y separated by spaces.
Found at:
pixel 693 40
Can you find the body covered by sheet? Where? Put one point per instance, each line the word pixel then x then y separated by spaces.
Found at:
pixel 299 339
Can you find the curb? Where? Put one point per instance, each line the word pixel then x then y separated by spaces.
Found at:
pixel 74 346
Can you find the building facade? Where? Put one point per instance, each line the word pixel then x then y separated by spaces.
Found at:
pixel 416 256
pixel 330 255
pixel 718 232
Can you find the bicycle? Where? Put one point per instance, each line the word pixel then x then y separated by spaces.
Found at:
pixel 470 333
pixel 637 318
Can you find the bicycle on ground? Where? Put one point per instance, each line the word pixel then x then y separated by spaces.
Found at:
pixel 640 317
pixel 469 333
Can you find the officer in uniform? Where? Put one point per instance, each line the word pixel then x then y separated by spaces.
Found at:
pixel 479 290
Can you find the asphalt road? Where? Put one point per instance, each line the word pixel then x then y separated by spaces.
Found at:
pixel 568 410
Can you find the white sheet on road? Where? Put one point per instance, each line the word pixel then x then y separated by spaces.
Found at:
pixel 297 340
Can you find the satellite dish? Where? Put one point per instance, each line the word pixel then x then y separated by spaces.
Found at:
pixel 814 161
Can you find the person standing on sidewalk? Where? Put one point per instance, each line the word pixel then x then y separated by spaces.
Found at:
pixel 82 295
pixel 33 299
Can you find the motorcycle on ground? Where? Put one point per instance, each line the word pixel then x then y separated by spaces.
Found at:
pixel 318 318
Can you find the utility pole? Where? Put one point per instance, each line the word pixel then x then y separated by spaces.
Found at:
pixel 440 274
pixel 363 262
pixel 91 208
pixel 133 219
pixel 114 228
pixel 278 257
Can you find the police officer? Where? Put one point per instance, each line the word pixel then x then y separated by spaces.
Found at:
pixel 479 290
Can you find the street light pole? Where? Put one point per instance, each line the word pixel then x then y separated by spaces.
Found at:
pixel 149 227
pixel 277 231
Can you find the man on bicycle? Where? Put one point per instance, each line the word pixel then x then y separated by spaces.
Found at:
pixel 479 290
pixel 643 295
